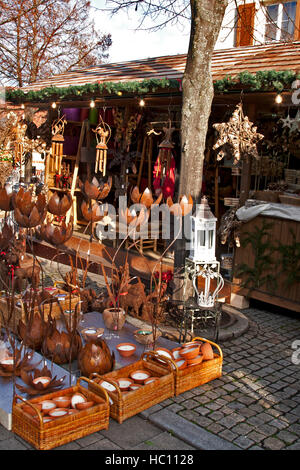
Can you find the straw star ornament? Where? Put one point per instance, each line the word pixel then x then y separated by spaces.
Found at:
pixel 238 133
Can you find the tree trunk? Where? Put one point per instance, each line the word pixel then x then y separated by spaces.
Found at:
pixel 198 92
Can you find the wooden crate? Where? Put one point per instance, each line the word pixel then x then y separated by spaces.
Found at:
pixel 123 405
pixel 19 313
pixel 191 377
pixel 45 436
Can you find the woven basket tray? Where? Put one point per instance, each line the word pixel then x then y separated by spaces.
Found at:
pixel 191 377
pixel 19 313
pixel 45 436
pixel 123 405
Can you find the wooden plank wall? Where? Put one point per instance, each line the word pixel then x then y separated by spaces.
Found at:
pixel 288 297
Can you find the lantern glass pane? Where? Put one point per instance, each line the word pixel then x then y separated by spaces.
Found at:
pixel 211 238
pixel 201 237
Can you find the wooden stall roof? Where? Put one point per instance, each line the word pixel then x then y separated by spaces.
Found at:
pixel 277 56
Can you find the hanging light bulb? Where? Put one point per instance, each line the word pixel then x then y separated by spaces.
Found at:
pixel 53 105
pixel 142 102
pixel 278 98
pixel 92 104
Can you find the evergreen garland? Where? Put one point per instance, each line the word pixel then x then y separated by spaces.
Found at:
pixel 268 80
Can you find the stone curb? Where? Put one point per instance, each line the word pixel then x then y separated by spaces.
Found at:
pixel 188 432
pixel 239 326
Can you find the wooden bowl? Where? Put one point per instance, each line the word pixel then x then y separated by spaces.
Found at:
pixel 47 406
pixel 190 353
pixel 62 402
pixel 139 376
pixel 85 405
pixel 126 349
pixel 124 383
pixel 58 413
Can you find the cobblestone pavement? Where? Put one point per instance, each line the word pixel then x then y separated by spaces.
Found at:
pixel 256 402
pixel 254 405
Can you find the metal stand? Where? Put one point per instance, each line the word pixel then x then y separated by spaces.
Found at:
pixel 203 306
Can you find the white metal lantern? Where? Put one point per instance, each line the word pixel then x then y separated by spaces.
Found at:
pixel 203 234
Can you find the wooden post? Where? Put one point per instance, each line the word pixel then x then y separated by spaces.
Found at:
pixel 75 174
pixel 246 168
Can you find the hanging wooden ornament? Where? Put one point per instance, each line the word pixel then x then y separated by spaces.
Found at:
pixel 165 152
pixel 239 134
pixel 57 142
pixel 103 133
pixel 19 143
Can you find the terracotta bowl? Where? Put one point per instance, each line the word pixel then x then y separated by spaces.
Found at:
pixel 47 406
pixel 190 344
pixel 28 409
pixel 165 353
pixel 139 376
pixel 124 383
pixel 195 361
pixel 207 351
pixel 135 386
pixel 73 411
pixel 107 386
pixel 176 353
pixel 126 349
pixel 181 363
pixel 62 402
pixel 85 405
pixel 7 363
pixel 77 398
pixel 151 380
pixel 58 413
pixel 190 353
pixel 91 333
pixel 44 381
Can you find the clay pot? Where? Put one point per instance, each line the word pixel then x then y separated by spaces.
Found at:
pixel 114 318
pixel 181 363
pixel 164 352
pixel 95 357
pixel 195 361
pixel 47 406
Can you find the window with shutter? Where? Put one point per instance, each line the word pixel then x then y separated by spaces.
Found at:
pixel 245 24
pixel 281 21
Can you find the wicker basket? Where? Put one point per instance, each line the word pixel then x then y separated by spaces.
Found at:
pixel 45 436
pixel 123 405
pixel 19 313
pixel 191 377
